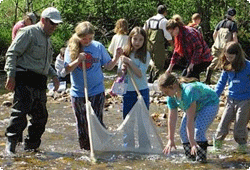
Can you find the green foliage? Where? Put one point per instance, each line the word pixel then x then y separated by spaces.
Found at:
pixel 60 37
pixel 5 38
pixel 104 13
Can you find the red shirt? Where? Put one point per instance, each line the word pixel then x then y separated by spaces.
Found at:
pixel 17 26
pixel 195 49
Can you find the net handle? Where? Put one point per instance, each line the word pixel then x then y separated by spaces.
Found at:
pixel 133 81
pixel 88 108
pixel 85 80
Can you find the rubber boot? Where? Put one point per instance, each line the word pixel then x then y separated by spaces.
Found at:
pixel 201 155
pixel 187 149
pixel 209 73
pixel 10 148
pixel 30 146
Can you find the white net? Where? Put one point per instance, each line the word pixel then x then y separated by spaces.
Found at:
pixel 136 133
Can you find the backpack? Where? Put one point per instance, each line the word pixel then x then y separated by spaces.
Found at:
pixel 224 35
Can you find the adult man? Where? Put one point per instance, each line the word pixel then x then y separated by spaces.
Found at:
pixel 225 31
pixel 157 33
pixel 28 19
pixel 28 63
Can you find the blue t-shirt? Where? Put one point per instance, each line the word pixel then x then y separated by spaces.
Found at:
pixel 142 82
pixel 95 79
pixel 199 92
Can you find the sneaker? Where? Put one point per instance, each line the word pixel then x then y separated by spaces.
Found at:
pixel 217 144
pixel 242 148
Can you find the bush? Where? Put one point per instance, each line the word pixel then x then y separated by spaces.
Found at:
pixel 5 38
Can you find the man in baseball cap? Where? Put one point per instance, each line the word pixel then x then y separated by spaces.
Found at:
pixel 28 66
pixel 231 12
pixel 53 14
pixel 50 18
pixel 229 26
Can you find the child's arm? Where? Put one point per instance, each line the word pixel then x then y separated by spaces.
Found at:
pixel 190 126
pixel 110 65
pixel 221 83
pixel 71 66
pixel 190 122
pixel 172 119
pixel 133 67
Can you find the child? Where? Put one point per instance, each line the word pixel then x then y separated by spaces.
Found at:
pixel 237 74
pixel 120 39
pixel 28 19
pixel 200 105
pixel 82 47
pixel 59 66
pixel 196 20
pixel 136 58
pixel 190 47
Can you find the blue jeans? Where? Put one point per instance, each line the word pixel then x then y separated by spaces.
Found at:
pixel 130 98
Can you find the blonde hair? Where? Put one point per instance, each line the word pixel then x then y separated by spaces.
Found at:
pixel 121 26
pixel 196 16
pixel 82 29
pixel 176 21
pixel 141 53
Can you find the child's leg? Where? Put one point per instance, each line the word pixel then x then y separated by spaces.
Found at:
pixel 242 118
pixel 129 100
pixel 183 129
pixel 97 103
pixel 79 109
pixel 143 137
pixel 184 139
pixel 203 120
pixel 226 119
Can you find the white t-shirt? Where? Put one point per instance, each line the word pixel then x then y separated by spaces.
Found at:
pixel 118 40
pixel 59 66
pixel 162 25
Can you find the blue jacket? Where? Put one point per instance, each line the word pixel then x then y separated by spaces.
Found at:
pixel 238 83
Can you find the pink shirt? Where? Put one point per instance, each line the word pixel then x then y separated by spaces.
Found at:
pixel 17 26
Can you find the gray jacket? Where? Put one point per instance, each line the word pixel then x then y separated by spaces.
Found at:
pixel 31 49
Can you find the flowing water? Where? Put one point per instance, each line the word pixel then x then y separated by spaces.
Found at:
pixel 60 149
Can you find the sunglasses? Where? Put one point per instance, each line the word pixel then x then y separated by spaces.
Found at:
pixel 52 23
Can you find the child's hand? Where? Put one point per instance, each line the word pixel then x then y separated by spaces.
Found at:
pixel 126 60
pixel 194 149
pixel 81 57
pixel 119 52
pixel 170 146
pixel 190 67
pixel 124 68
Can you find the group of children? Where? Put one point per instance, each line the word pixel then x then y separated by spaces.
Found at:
pixel 199 102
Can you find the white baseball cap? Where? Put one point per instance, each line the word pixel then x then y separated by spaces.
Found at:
pixel 53 14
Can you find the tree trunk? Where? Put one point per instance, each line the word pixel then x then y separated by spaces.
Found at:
pixel 15 18
pixel 203 8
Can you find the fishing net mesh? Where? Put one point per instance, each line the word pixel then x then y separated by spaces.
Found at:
pixel 136 133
